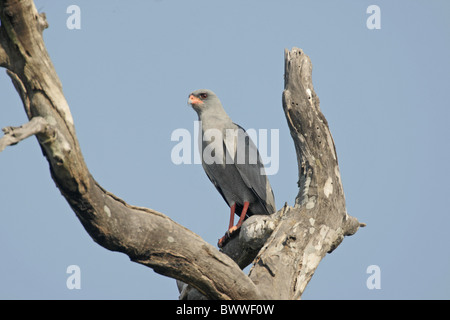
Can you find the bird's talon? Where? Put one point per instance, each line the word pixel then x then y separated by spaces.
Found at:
pixel 221 241
pixel 228 235
pixel 232 229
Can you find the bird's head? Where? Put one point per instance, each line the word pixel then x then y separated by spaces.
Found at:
pixel 203 99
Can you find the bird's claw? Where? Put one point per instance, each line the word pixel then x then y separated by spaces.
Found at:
pixel 228 235
pixel 232 230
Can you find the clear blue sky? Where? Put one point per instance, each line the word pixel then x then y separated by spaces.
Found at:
pixel 127 74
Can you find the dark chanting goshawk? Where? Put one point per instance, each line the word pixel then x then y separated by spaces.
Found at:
pixel 236 169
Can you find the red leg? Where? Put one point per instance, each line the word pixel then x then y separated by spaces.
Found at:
pixel 241 218
pixel 231 227
pixel 233 209
pixel 232 212
pixel 243 213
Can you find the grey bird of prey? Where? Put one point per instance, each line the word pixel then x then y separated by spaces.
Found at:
pixel 231 161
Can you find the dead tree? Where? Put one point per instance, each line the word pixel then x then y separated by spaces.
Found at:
pixel 285 248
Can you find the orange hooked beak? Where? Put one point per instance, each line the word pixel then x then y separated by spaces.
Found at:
pixel 194 100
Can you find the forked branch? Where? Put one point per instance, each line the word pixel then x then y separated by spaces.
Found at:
pixel 297 238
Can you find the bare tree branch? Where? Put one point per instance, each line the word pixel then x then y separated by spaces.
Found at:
pixel 319 221
pixel 243 248
pixel 14 135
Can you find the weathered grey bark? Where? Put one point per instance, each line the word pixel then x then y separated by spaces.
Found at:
pixel 319 221
pixel 298 237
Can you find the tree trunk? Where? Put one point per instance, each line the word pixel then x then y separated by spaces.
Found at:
pixel 293 240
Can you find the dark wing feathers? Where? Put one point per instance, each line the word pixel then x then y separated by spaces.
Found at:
pixel 254 176
pixel 217 186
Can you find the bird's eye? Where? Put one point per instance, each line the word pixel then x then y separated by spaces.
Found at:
pixel 203 95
